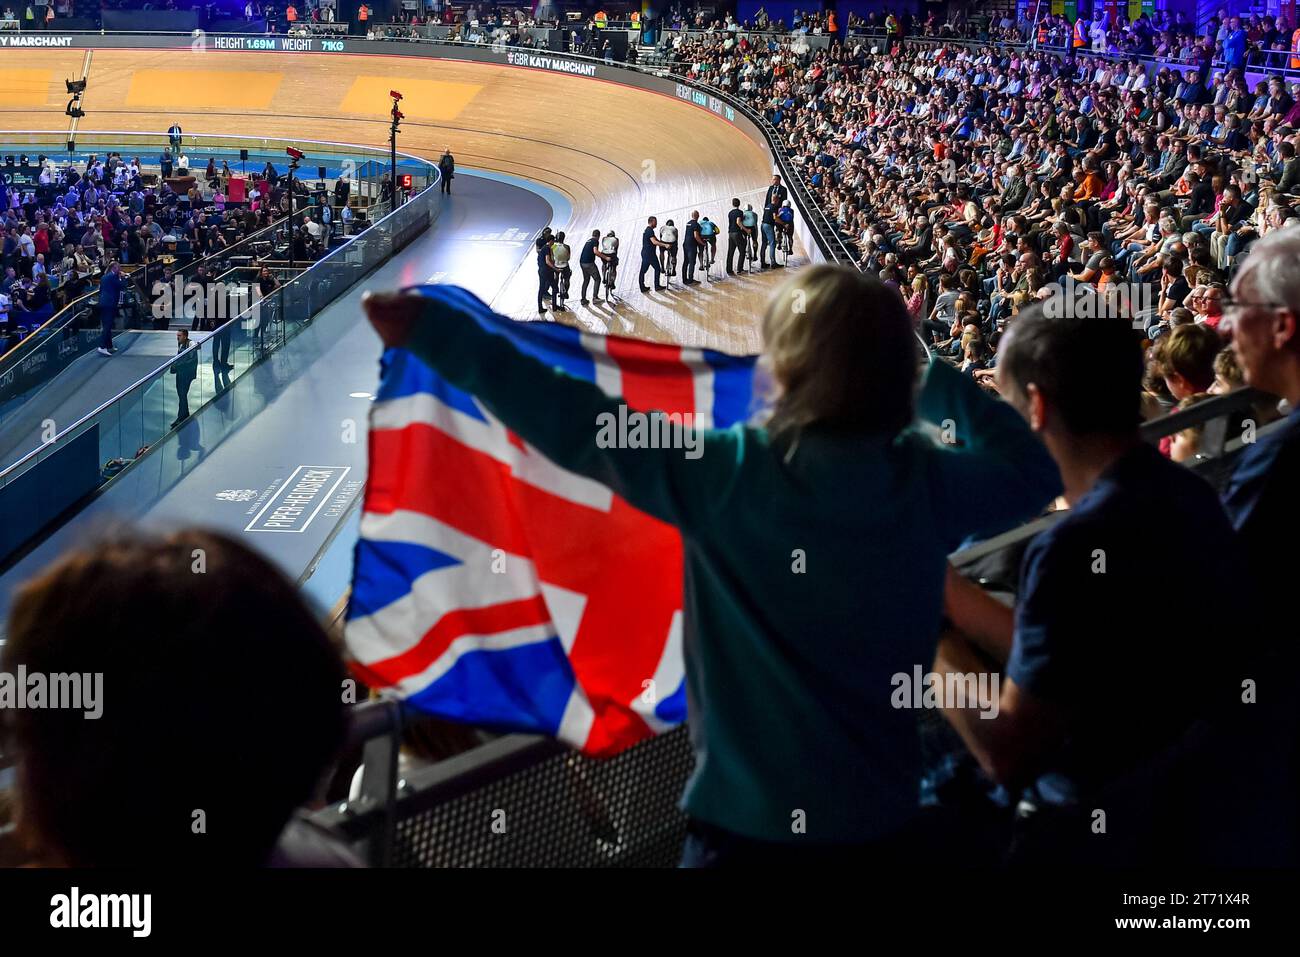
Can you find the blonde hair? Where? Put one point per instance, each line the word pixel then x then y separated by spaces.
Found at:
pixel 838 351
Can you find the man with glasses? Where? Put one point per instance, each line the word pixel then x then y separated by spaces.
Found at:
pixel 1263 317
pixel 1255 755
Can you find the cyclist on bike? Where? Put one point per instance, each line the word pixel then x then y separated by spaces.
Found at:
pixel 709 249
pixel 609 263
pixel 668 254
pixel 560 263
pixel 785 228
pixel 749 219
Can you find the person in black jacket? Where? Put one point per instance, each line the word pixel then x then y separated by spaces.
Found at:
pixel 776 194
pixel 447 167
pixel 110 295
pixel 185 368
pixel 737 240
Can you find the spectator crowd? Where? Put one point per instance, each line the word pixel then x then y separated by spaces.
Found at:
pixel 978 180
pixel 64 224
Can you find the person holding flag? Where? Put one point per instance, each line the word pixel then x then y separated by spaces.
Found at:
pixel 814 542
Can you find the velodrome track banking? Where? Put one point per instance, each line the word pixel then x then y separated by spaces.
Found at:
pixel 619 144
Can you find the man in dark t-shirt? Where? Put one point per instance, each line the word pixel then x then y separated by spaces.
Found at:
pixel 650 244
pixel 690 250
pixel 587 263
pixel 545 274
pixel 1105 674
pixel 737 239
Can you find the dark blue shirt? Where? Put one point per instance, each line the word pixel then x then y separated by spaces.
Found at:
pixel 110 290
pixel 692 238
pixel 1129 620
pixel 1260 502
pixel 647 246
pixel 588 254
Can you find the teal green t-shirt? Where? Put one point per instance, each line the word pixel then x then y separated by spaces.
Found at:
pixel 811 577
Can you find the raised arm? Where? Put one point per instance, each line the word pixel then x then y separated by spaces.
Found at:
pixel 567 419
pixel 992 471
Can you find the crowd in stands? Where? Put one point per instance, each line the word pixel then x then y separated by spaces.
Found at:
pixel 977 180
pixel 70 221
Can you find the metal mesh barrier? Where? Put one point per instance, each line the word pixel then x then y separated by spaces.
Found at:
pixel 537 806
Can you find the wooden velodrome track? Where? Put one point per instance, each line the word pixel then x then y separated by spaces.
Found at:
pixel 619 154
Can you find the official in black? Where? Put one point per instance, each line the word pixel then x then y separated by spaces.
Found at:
pixel 691 250
pixel 776 194
pixel 737 240
pixel 545 274
pixel 184 368
pixel 447 167
pixel 650 244
pixel 587 263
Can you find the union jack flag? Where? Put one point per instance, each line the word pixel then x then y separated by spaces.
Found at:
pixel 494 588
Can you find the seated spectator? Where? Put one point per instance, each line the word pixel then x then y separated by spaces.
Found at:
pixel 1186 443
pixel 193 760
pixel 1228 375
pixel 1185 359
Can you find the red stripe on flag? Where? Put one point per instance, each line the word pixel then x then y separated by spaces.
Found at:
pixel 654 376
pixel 420 468
pixel 489 620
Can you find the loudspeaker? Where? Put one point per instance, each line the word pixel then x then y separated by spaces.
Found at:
pixel 557 40
pixel 243 156
pixel 320 172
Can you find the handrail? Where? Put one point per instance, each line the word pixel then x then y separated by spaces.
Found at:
pixel 1058 49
